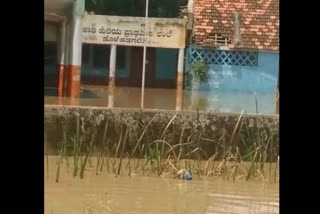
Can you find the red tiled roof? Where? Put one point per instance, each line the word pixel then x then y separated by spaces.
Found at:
pixel 259 22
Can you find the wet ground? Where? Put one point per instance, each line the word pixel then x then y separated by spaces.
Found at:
pixel 104 193
pixel 155 98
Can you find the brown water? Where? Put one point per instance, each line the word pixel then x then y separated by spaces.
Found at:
pixel 104 193
pixel 157 98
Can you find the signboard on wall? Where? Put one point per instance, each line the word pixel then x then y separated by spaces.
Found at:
pixel 131 31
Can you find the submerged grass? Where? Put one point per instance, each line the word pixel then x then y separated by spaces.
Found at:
pixel 241 155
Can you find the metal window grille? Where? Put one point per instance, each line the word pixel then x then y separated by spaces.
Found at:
pixel 223 57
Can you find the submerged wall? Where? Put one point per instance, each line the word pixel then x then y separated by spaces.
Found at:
pixel 242 76
pixel 165 67
pixel 212 132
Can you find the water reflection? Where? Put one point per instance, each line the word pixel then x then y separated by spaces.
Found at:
pixel 169 99
pixel 104 193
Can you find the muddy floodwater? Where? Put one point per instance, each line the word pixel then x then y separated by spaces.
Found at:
pixel 105 193
pixel 157 98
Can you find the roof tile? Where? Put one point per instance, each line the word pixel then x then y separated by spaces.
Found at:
pixel 259 22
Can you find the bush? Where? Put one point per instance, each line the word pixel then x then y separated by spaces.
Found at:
pixel 197 75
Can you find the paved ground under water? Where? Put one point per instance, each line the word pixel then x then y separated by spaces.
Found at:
pixel 104 193
pixel 156 98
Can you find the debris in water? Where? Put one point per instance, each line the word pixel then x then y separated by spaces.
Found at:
pixel 184 174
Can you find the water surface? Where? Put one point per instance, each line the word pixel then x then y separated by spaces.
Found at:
pixel 157 98
pixel 104 193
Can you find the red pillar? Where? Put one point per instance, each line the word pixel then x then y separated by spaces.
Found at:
pixel 61 69
pixel 73 82
pixel 74 59
pixel 61 58
pixel 66 60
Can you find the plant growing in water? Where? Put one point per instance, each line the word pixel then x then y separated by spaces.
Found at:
pixel 246 148
pixel 197 75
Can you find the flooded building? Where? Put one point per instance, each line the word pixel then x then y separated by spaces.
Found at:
pixel 62 45
pixel 239 40
pixel 88 54
pixel 125 35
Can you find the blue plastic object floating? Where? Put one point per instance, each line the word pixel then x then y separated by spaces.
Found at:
pixel 184 174
pixel 187 176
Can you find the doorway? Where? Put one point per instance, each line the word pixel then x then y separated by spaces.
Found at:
pixel 135 78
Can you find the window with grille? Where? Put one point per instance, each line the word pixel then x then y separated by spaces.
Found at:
pixel 222 57
pixel 219 39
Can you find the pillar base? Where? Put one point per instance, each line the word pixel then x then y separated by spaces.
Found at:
pixel 179 99
pixel 111 89
pixel 180 81
pixel 61 69
pixel 73 101
pixel 73 89
pixel 112 82
pixel 179 95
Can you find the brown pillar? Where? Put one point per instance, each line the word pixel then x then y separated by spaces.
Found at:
pixel 61 58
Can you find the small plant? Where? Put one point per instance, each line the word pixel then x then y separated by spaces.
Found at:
pixel 197 75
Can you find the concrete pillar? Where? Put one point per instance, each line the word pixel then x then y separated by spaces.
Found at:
pixel 112 65
pixel 112 75
pixel 111 97
pixel 74 68
pixel 61 58
pixel 190 6
pixel 66 60
pixel 179 95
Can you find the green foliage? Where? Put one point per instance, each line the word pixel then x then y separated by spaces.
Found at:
pixel 153 153
pixel 197 75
